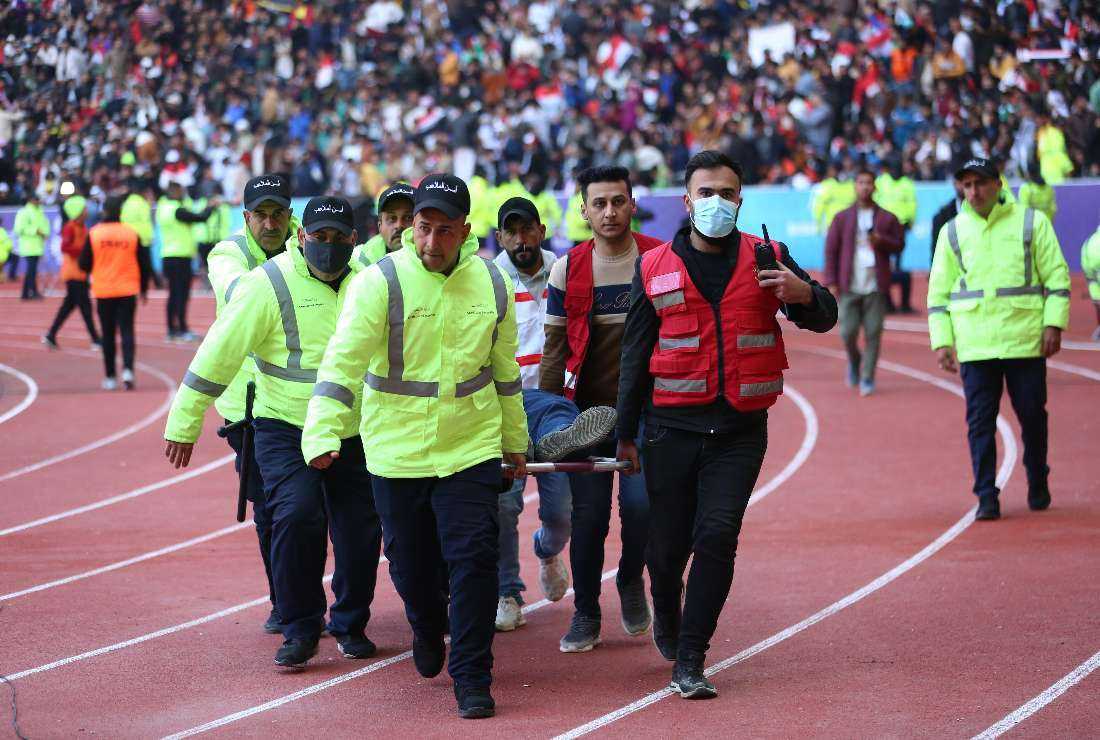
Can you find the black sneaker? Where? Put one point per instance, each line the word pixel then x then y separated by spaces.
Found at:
pixel 666 634
pixel 636 614
pixel 475 702
pixel 688 680
pixel 274 623
pixel 295 653
pixel 429 656
pixel 1038 498
pixel 989 508
pixel 590 427
pixel 50 342
pixel 355 646
pixel 583 634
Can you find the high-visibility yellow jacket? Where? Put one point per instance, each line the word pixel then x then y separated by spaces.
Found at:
pixel 366 254
pixel 177 238
pixel 1039 197
pixel 5 245
pixel 31 228
pixel 576 228
pixel 216 227
pixel 283 317
pixel 1090 264
pixel 549 211
pixel 898 196
pixel 483 216
pixel 138 215
pixel 831 196
pixel 438 352
pixel 228 261
pixel 1054 162
pixel 995 283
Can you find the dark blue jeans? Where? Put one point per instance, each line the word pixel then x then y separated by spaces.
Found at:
pixel 454 520
pixel 261 515
pixel 299 497
pixel 983 382
pixel 591 522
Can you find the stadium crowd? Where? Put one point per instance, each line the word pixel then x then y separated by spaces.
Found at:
pixel 347 96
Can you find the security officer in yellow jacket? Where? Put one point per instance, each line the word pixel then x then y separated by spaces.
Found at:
pixel 32 229
pixel 998 300
pixel 895 191
pixel 395 206
pixel 269 223
pixel 282 314
pixel 1090 265
pixel 577 229
pixel 178 250
pixel 433 329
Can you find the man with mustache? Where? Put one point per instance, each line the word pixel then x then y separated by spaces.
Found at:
pixel 586 308
pixel 554 423
pixel 395 214
pixel 269 224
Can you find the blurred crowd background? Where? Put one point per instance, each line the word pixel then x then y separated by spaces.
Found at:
pixel 348 96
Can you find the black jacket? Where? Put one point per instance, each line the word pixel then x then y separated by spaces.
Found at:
pixel 945 214
pixel 710 274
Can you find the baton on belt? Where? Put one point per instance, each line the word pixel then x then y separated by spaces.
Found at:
pixel 245 425
pixel 592 465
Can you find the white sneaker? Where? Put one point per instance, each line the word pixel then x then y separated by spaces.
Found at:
pixel 109 384
pixel 128 378
pixel 554 578
pixel 509 614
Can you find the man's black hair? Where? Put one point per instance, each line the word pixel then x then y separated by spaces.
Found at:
pixel 865 171
pixel 710 159
pixel 603 174
pixel 112 210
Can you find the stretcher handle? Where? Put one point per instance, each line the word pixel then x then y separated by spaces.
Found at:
pixel 592 465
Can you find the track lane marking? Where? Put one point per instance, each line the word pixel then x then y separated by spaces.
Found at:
pixel 32 392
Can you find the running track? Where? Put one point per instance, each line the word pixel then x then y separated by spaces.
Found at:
pixel 865 602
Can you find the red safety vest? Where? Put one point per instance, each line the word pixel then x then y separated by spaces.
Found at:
pixel 737 350
pixel 580 295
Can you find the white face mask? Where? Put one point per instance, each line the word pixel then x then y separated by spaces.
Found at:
pixel 715 216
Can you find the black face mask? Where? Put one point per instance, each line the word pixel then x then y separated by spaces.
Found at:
pixel 327 257
pixel 524 258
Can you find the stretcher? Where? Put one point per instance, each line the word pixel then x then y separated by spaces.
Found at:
pixel 592 465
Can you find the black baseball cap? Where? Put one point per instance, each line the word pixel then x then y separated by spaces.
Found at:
pixel 274 187
pixel 446 193
pixel 397 190
pixel 328 211
pixel 978 166
pixel 521 207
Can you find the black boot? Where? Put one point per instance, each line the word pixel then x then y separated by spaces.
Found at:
pixel 1038 497
pixel 666 633
pixel 474 702
pixel 429 655
pixel 295 653
pixel 989 508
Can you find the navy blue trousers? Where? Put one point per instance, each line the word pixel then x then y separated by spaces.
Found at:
pixel 429 522
pixel 305 502
pixel 261 515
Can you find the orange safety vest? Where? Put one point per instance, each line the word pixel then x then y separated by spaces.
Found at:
pixel 580 295
pixel 70 270
pixel 115 271
pixel 734 349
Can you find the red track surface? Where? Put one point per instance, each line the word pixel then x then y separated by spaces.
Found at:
pixel 947 645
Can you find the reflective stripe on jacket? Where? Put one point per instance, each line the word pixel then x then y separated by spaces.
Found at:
pixel 734 350
pixel 995 283
pixel 437 354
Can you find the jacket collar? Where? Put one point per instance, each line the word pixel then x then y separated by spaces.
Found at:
pixel 467 250
pixel 258 251
pixel 1002 208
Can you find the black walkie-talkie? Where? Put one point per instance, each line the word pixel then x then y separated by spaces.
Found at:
pixel 765 254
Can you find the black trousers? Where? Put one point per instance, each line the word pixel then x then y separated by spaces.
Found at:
pixel 298 497
pixel 13 266
pixel 30 277
pixel 76 296
pixel 699 486
pixel 178 272
pixel 983 383
pixel 454 520
pixel 117 314
pixel 261 513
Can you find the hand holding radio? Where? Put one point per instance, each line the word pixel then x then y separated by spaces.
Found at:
pixel 774 275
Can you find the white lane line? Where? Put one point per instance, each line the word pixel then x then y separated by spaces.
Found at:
pixel 32 391
pixel 103 441
pixel 228 611
pixel 809 439
pixel 810 418
pixel 859 594
pixel 1075 369
pixel 916 328
pixel 129 561
pixel 216 463
pixel 1067 682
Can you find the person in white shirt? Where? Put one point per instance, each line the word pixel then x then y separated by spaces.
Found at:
pixel 555 424
pixel 858 246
